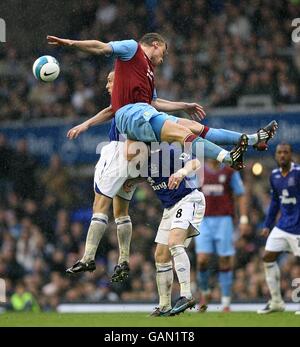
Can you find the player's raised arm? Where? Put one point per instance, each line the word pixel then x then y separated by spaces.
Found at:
pixel 194 110
pixel 177 177
pixel 90 46
pixel 101 117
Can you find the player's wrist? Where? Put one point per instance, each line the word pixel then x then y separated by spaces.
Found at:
pixel 244 219
pixel 182 172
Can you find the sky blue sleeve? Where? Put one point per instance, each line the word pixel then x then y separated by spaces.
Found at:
pixel 236 184
pixel 124 50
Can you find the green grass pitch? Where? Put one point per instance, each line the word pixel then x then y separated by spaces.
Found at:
pixel 238 319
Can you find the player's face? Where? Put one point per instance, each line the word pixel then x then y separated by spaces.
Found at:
pixel 160 50
pixel 110 82
pixel 283 155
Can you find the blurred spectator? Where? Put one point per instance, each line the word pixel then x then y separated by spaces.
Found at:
pixel 22 300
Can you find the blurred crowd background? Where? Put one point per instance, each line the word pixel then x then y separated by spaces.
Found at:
pixel 219 52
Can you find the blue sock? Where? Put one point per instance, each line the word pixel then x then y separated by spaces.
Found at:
pixel 225 279
pixel 227 137
pixel 202 279
pixel 211 151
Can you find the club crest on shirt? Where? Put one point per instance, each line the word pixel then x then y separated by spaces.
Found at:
pixel 291 181
pixel 222 178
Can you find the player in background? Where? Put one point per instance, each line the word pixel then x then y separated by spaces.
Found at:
pixel 110 174
pixel 221 186
pixel 184 207
pixel 132 97
pixel 283 234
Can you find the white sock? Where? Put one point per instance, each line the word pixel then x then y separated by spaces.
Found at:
pixel 183 269
pixel 273 280
pixel 252 139
pixel 96 231
pixel 124 232
pixel 164 281
pixel 226 300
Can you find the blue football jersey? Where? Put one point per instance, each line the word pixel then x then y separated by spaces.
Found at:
pixel 286 199
pixel 159 177
pixel 113 131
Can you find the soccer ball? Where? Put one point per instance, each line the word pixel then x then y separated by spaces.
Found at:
pixel 46 68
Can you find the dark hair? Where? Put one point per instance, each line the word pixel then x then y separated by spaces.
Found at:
pixel 148 38
pixel 286 144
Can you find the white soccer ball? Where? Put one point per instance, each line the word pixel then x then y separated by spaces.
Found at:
pixel 46 68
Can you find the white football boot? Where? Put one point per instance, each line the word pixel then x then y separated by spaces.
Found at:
pixel 271 307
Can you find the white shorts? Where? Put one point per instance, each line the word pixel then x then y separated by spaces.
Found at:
pixel 187 214
pixel 111 172
pixel 281 241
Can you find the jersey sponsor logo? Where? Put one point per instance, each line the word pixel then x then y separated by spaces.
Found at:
pixel 162 185
pixel 277 176
pixel 286 199
pixel 213 189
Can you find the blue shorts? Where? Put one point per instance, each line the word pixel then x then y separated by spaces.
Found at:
pixel 141 122
pixel 216 236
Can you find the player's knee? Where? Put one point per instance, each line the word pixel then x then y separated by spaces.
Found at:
pixel 202 262
pixel 176 250
pixel 225 263
pixel 269 257
pixel 162 255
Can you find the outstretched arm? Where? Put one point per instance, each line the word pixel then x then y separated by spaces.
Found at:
pixel 193 109
pixel 101 117
pixel 177 177
pixel 90 46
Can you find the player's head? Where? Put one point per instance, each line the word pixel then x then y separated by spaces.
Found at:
pixel 155 46
pixel 283 155
pixel 110 82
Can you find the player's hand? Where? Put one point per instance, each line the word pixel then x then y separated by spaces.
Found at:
pixel 175 179
pixel 265 232
pixel 76 131
pixel 195 111
pixel 128 186
pixel 53 40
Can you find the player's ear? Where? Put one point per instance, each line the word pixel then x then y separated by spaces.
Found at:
pixel 155 44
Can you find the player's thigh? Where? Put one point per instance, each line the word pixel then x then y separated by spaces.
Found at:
pixel 111 170
pixel 204 242
pixel 294 243
pixel 172 132
pixel 278 241
pixel 162 253
pixel 195 127
pixel 188 211
pixel 224 230
pixel 120 207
